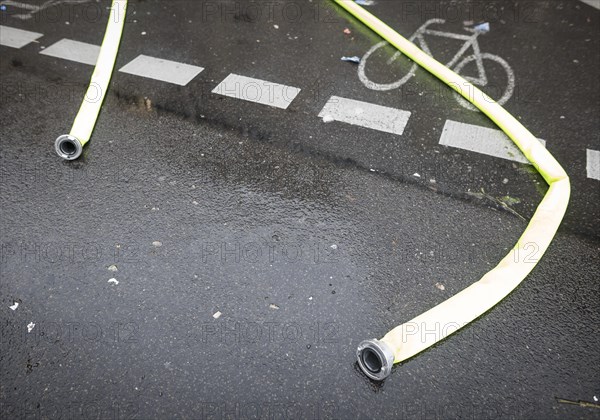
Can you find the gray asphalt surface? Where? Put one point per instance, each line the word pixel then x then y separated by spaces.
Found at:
pixel 305 237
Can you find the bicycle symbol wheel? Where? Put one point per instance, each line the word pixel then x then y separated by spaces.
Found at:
pixel 482 81
pixel 483 60
pixel 382 86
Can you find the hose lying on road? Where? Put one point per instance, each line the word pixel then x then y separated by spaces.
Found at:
pixel 70 146
pixel 376 357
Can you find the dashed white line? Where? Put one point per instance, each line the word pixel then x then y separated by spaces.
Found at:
pixel 17 38
pixel 593 3
pixel 481 140
pixel 68 49
pixel 164 70
pixel 593 164
pixel 365 114
pixel 256 90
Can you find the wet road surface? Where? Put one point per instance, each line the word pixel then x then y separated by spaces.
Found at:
pixel 254 247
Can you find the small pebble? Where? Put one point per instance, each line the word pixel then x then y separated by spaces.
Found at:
pixel 440 286
pixel 157 243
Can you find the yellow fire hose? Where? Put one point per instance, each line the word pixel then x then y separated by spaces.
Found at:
pixel 70 146
pixel 376 357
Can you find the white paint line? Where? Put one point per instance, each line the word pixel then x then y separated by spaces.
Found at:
pixel 364 114
pixel 593 3
pixel 20 5
pixel 35 8
pixel 593 164
pixel 68 49
pixel 481 140
pixel 163 70
pixel 16 38
pixel 256 90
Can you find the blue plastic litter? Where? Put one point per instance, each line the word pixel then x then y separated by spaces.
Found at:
pixel 482 27
pixel 354 59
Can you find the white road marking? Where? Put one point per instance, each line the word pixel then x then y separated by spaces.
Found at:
pixel 163 70
pixel 593 3
pixel 377 117
pixel 593 164
pixel 481 140
pixel 35 8
pixel 256 90
pixel 68 49
pixel 19 5
pixel 16 38
pixel 457 63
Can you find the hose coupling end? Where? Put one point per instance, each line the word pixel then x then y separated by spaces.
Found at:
pixel 68 147
pixel 375 358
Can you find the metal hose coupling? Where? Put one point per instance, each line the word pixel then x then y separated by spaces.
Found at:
pixel 68 147
pixel 375 358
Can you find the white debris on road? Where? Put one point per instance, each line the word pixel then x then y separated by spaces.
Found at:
pixel 273 306
pixel 157 243
pixel 217 314
pixel 113 268
pixel 14 306
pixel 30 327
pixel 440 286
pixel 113 280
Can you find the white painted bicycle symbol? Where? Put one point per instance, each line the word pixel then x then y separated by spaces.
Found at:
pixel 457 63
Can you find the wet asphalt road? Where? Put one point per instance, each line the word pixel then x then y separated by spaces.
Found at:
pixel 305 237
